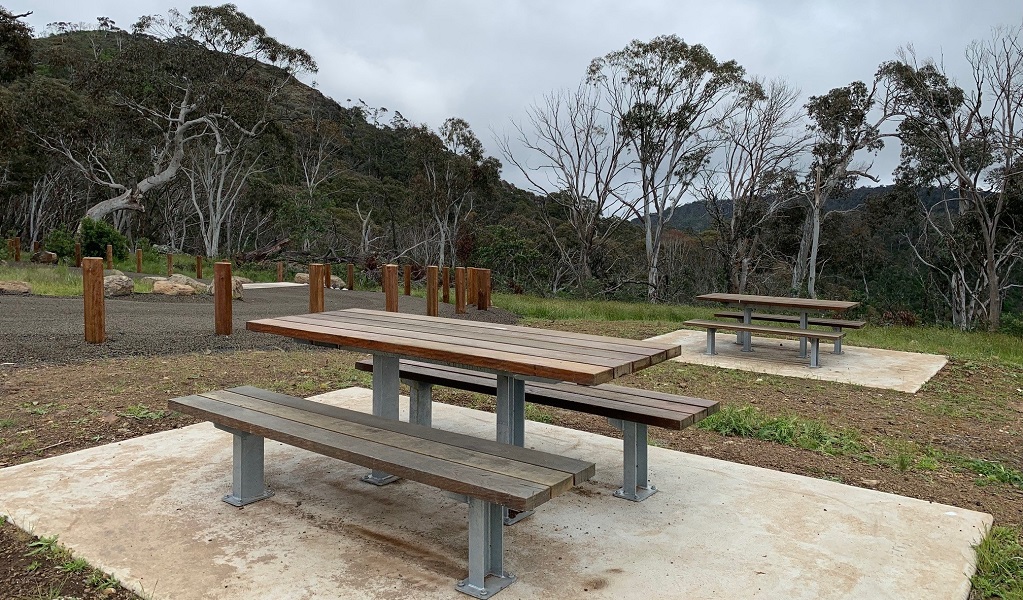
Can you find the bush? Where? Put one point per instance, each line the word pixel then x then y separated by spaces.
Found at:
pixel 61 243
pixel 96 235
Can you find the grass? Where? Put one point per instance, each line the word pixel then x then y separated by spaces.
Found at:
pixel 790 430
pixel 1000 565
pixel 58 281
pixel 142 412
pixel 561 309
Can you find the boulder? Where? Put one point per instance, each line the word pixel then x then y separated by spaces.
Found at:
pixel 117 285
pixel 44 257
pixel 336 283
pixel 15 287
pixel 151 280
pixel 170 288
pixel 198 286
pixel 302 278
pixel 243 279
pixel 236 288
pixel 109 272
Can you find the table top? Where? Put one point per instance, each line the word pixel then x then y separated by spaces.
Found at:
pixel 781 302
pixel 525 351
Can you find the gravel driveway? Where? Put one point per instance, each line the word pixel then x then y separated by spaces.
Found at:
pixel 36 329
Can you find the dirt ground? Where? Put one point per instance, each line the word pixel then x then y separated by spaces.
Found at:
pixel 61 395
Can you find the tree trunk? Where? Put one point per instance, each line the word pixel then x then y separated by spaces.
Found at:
pixel 811 267
pixel 128 200
pixel 799 266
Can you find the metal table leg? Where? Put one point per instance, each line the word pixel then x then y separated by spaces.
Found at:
pixel 247 481
pixel 486 552
pixel 802 341
pixel 385 403
pixel 511 423
pixel 747 338
pixel 635 485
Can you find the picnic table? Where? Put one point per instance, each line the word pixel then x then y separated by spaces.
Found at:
pixel 805 306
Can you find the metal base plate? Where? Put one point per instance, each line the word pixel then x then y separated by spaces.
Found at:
pixel 492 584
pixel 236 501
pixel 512 517
pixel 380 480
pixel 639 495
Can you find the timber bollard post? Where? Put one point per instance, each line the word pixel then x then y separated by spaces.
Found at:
pixel 408 280
pixel 36 246
pixel 482 289
pixel 390 282
pixel 316 288
pixel 446 285
pixel 432 308
pixel 460 290
pixel 170 265
pixel 78 254
pixel 17 249
pixel 280 272
pixel 471 284
pixel 198 267
pixel 110 257
pixel 328 277
pixel 351 277
pixel 222 297
pixel 95 311
pixel 138 260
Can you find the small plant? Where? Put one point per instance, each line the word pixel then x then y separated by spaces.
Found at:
pixel 3 520
pixel 790 430
pixel 142 412
pixel 999 565
pixel 96 235
pixel 535 413
pixel 77 565
pixel 6 423
pixel 101 581
pixel 45 546
pixel 991 471
pixel 33 566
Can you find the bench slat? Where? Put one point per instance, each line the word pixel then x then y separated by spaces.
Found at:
pixel 460 479
pixel 780 331
pixel 580 470
pixel 449 450
pixel 844 323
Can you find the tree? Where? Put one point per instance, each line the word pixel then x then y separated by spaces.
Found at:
pixel 177 80
pixel 666 95
pixel 756 175
pixel 969 143
pixel 15 46
pixel 581 173
pixel 842 127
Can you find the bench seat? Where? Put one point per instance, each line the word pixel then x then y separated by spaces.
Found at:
pixel 813 335
pixel 820 321
pixel 631 409
pixel 489 474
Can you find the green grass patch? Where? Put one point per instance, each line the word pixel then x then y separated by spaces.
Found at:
pixel 790 430
pixel 45 281
pixel 1000 565
pixel 559 309
pixel 538 414
pixel 993 471
pixel 142 412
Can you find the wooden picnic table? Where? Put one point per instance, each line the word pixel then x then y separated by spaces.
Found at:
pixel 748 302
pixel 514 353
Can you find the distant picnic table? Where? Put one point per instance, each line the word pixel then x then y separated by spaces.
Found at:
pixel 746 328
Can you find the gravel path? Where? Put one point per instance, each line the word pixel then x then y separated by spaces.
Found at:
pixel 35 329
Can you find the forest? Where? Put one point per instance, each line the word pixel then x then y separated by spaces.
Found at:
pixel 662 173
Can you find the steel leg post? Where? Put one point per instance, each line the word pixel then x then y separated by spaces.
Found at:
pixel 420 409
pixel 247 481
pixel 486 552
pixel 802 341
pixel 710 341
pixel 747 339
pixel 635 486
pixel 838 341
pixel 511 424
pixel 385 403
pixel 815 346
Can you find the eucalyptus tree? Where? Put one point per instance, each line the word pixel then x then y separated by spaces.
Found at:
pixel 968 141
pixel 669 99
pixel 579 172
pixel 754 177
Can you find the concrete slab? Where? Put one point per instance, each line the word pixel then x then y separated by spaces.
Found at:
pixel 273 284
pixel 870 367
pixel 149 511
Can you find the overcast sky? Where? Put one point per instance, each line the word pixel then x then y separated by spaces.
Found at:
pixel 485 61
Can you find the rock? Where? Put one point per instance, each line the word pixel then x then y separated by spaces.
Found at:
pixel 870 483
pixel 117 285
pixel 15 287
pixel 336 283
pixel 198 286
pixel 109 272
pixel 152 279
pixel 44 257
pixel 170 288
pixel 243 279
pixel 236 288
pixel 161 249
pixel 302 278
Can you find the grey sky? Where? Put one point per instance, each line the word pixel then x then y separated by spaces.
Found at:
pixel 486 61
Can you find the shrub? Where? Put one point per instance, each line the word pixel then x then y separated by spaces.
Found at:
pixel 61 243
pixel 96 235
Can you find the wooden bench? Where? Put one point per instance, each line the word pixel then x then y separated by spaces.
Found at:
pixel 630 409
pixel 813 335
pixel 489 474
pixel 835 324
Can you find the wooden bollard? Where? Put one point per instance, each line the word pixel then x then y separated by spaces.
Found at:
pixel 471 284
pixel 446 285
pixel 138 260
pixel 36 246
pixel 95 311
pixel 316 288
pixel 390 282
pixel 328 277
pixel 17 249
pixel 10 248
pixel 408 280
pixel 432 308
pixel 222 297
pixel 460 290
pixel 198 267
pixel 280 272
pixel 110 257
pixel 482 289
pixel 78 254
pixel 351 276
pixel 170 265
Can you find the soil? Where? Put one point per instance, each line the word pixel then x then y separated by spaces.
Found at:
pixel 62 395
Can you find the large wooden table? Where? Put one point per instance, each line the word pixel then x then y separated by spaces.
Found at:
pixel 515 354
pixel 805 306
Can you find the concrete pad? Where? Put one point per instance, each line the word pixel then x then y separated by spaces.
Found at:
pixel 870 367
pixel 273 284
pixel 149 511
